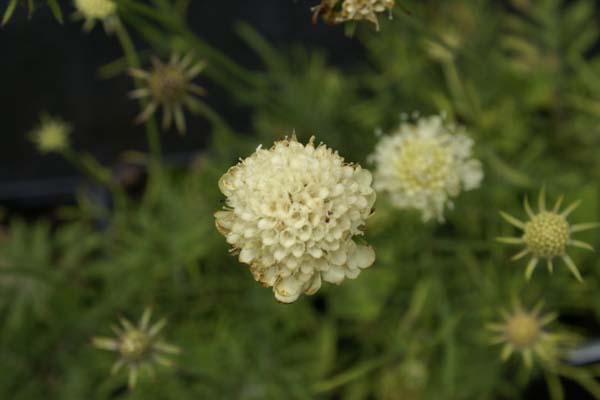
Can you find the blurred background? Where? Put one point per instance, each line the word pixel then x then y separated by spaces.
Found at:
pixel 54 68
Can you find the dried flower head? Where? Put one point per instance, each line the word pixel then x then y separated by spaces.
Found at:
pixel 547 235
pixel 292 212
pixel 170 87
pixel 365 9
pixel 335 12
pixel 96 10
pixel 424 165
pixel 51 135
pixel 139 347
pixel 525 332
pixel 327 9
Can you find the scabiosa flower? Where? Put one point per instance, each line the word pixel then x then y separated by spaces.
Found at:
pixel 140 347
pixel 51 135
pixel 96 10
pixel 335 12
pixel 547 235
pixel 365 9
pixel 170 87
pixel 291 214
pixel 424 165
pixel 525 332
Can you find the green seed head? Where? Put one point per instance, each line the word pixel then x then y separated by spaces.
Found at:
pixel 547 234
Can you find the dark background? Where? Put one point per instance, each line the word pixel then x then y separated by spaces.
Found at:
pixel 48 67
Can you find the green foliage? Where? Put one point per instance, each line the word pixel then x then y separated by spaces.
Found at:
pixel 525 81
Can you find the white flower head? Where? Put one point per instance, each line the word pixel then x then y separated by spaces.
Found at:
pixel 291 214
pixel 424 165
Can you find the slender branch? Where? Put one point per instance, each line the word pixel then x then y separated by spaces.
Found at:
pixel 152 133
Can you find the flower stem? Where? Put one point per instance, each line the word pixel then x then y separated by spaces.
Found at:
pixel 582 377
pixel 152 134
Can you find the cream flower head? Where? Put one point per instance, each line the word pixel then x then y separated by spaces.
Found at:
pixel 423 165
pixel 96 10
pixel 291 214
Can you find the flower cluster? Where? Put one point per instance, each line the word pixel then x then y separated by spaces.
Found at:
pixel 140 347
pixel 96 10
pixel 169 85
pixel 292 213
pixel 546 235
pixel 334 11
pixel 424 165
pixel 51 135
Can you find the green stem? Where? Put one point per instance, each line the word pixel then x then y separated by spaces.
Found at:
pixel 96 171
pixel 152 133
pixel 582 377
pixel 349 375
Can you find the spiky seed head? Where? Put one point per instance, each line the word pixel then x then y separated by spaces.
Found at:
pixel 139 347
pixel 169 85
pixel 547 234
pixel 525 332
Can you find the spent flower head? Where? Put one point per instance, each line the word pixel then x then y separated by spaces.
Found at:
pixel 546 235
pixel 139 347
pixel 51 135
pixel 91 11
pixel 525 332
pixel 339 11
pixel 170 87
pixel 291 214
pixel 423 165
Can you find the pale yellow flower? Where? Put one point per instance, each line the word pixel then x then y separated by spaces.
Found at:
pixel 292 213
pixel 424 165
